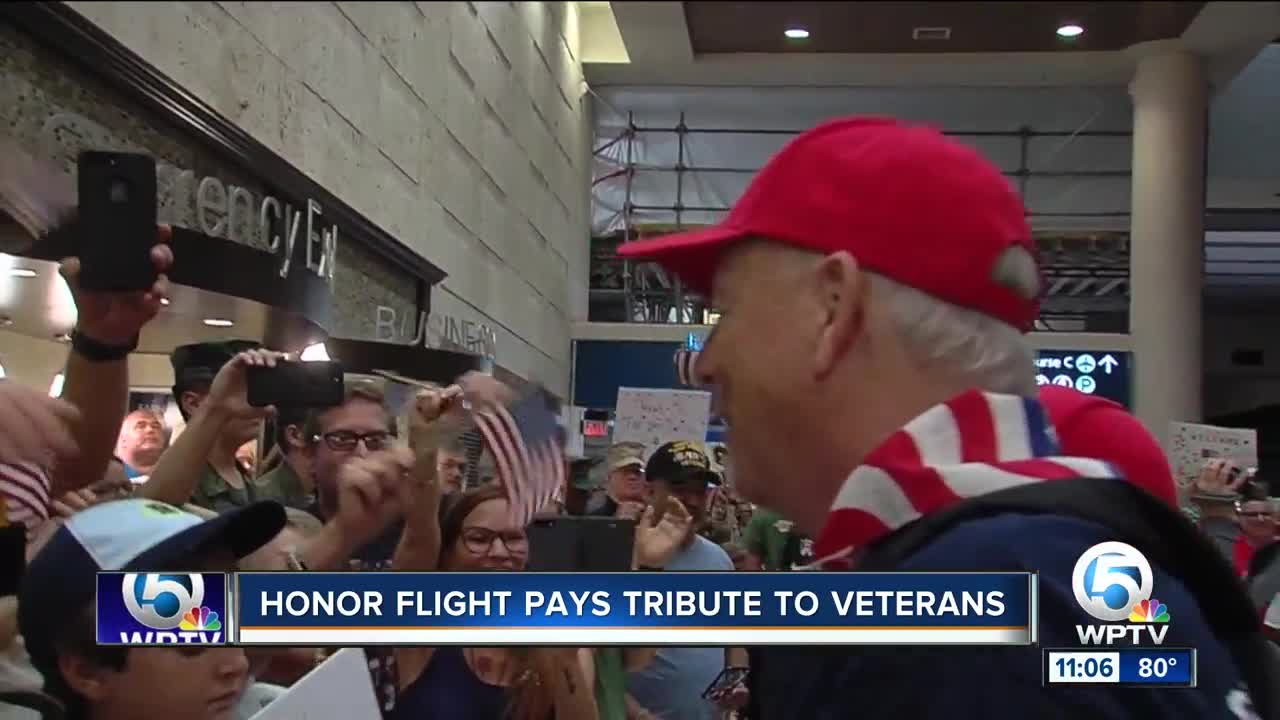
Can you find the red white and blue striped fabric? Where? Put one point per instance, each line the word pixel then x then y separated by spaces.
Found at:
pixel 528 454
pixel 24 490
pixel 974 444
pixel 685 361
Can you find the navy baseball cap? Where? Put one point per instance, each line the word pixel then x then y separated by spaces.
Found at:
pixel 133 534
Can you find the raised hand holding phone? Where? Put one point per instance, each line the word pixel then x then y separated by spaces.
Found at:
pixel 229 391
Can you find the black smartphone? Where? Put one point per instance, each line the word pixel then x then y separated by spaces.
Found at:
pixel 728 679
pixel 296 384
pixel 13 557
pixel 116 226
pixel 564 543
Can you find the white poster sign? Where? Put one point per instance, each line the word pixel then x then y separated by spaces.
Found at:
pixel 653 417
pixel 340 687
pixel 1192 444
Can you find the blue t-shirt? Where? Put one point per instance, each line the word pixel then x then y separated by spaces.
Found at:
pixel 990 683
pixel 671 686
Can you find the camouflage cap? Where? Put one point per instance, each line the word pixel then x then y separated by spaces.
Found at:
pixel 625 454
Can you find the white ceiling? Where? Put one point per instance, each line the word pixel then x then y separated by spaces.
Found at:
pixel 41 307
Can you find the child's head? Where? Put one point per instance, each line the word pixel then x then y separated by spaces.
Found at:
pixel 57 612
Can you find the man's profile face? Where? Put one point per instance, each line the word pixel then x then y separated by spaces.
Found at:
pixel 357 417
pixel 759 358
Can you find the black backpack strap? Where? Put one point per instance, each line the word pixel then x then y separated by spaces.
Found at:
pixel 45 706
pixel 1164 535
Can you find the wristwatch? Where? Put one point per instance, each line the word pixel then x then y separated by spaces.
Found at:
pixel 98 351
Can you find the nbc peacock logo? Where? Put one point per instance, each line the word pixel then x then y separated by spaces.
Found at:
pixel 1149 611
pixel 200 619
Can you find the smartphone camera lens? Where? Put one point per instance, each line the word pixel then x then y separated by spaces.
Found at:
pixel 119 191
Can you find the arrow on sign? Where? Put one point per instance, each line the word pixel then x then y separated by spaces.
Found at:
pixel 1108 363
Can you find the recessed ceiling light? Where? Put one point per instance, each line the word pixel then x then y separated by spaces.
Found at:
pixel 55 387
pixel 218 322
pixel 22 272
pixel 796 33
pixel 1070 31
pixel 164 301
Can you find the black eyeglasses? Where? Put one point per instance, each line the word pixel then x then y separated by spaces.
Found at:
pixel 478 541
pixel 346 441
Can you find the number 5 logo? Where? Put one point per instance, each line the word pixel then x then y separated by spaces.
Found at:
pixel 162 600
pixel 1103 582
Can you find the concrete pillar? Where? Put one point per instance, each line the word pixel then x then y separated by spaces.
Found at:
pixel 1170 110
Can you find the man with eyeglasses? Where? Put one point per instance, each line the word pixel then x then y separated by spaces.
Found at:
pixel 359 426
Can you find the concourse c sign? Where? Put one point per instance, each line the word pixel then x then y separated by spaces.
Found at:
pixel 1091 372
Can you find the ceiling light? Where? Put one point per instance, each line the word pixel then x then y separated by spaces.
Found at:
pixel 796 33
pixel 1 372
pixel 314 352
pixel 22 273
pixel 1070 31
pixel 218 322
pixel 164 301
pixel 55 387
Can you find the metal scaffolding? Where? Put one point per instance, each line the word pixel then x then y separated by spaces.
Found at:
pixel 1087 273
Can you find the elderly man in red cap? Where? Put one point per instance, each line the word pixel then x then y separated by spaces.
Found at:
pixel 899 427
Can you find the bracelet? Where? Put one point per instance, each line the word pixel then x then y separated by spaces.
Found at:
pixel 98 351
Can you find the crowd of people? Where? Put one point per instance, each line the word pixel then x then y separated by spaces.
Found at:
pixel 900 429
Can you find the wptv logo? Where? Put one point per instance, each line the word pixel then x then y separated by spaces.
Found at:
pixel 161 609
pixel 1112 582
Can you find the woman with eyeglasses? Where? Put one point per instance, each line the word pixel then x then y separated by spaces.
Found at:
pixel 491 683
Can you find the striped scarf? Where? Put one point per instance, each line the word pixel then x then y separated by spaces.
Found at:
pixel 974 444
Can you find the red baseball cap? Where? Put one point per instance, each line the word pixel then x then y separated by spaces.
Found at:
pixel 1094 427
pixel 906 201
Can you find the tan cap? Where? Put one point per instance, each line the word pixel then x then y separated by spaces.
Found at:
pixel 626 454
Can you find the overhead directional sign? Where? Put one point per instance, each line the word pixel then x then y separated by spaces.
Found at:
pixel 1094 373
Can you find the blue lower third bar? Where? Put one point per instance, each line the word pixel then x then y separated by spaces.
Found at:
pixel 1132 666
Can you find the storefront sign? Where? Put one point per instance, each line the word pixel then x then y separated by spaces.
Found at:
pixel 438 331
pixel 217 208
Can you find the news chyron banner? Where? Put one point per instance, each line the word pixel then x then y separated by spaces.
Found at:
pixel 582 609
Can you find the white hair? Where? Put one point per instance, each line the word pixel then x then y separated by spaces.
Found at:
pixel 978 349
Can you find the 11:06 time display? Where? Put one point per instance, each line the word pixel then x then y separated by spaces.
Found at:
pixel 1085 667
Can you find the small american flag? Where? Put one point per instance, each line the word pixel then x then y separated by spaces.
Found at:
pixel 526 444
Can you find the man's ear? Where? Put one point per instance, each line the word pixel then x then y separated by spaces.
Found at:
pixel 293 434
pixel 841 290
pixel 84 676
pixel 190 401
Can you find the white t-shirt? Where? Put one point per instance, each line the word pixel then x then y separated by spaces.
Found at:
pixel 18 674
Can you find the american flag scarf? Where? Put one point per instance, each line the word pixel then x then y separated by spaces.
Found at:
pixel 974 444
pixel 686 361
pixel 526 445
